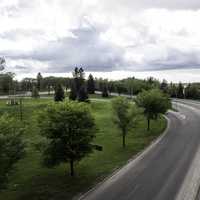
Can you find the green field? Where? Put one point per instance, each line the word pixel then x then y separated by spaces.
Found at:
pixel 31 181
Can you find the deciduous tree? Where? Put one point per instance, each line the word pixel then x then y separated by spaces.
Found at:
pixel 124 115
pixel 69 129
pixel 154 103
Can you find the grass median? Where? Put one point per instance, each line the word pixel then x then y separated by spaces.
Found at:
pixel 33 182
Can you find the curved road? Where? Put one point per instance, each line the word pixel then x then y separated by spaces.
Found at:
pixel 159 174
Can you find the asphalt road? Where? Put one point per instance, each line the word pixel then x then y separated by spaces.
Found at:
pixel 160 173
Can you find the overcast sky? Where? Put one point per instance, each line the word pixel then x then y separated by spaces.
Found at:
pixel 111 38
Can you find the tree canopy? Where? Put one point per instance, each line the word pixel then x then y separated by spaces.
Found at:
pixel 124 115
pixel 154 103
pixel 69 129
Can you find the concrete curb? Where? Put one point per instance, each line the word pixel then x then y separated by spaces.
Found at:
pixel 133 161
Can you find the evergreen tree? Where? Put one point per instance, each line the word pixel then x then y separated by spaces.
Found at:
pixel 192 92
pixel 91 85
pixel 105 91
pixel 39 81
pixel 172 90
pixel 164 86
pixel 59 93
pixel 120 88
pixel 72 94
pixel 78 87
pixel 83 96
pixel 180 92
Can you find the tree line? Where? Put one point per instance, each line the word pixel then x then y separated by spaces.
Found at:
pixel 180 90
pixel 131 86
pixel 80 84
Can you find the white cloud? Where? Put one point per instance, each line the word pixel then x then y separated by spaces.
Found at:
pixel 109 35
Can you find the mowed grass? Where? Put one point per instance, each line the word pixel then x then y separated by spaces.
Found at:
pixel 31 181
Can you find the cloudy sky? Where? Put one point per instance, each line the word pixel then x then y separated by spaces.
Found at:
pixel 111 38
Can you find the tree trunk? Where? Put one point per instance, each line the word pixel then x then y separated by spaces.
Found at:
pixel 148 128
pixel 72 167
pixel 124 140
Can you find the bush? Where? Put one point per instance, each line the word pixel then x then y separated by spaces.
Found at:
pixel 11 146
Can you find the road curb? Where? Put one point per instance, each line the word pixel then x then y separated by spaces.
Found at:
pixel 133 161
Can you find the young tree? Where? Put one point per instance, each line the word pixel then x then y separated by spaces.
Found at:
pixel 125 114
pixel 91 85
pixel 154 103
pixel 11 146
pixel 59 93
pixel 35 92
pixel 69 129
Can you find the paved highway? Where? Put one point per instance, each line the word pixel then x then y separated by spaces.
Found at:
pixel 159 174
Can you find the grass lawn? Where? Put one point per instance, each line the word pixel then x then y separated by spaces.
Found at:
pixel 31 181
pixel 93 96
pixel 99 96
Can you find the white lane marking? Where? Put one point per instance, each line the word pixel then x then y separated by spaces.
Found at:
pixel 178 115
pixel 190 185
